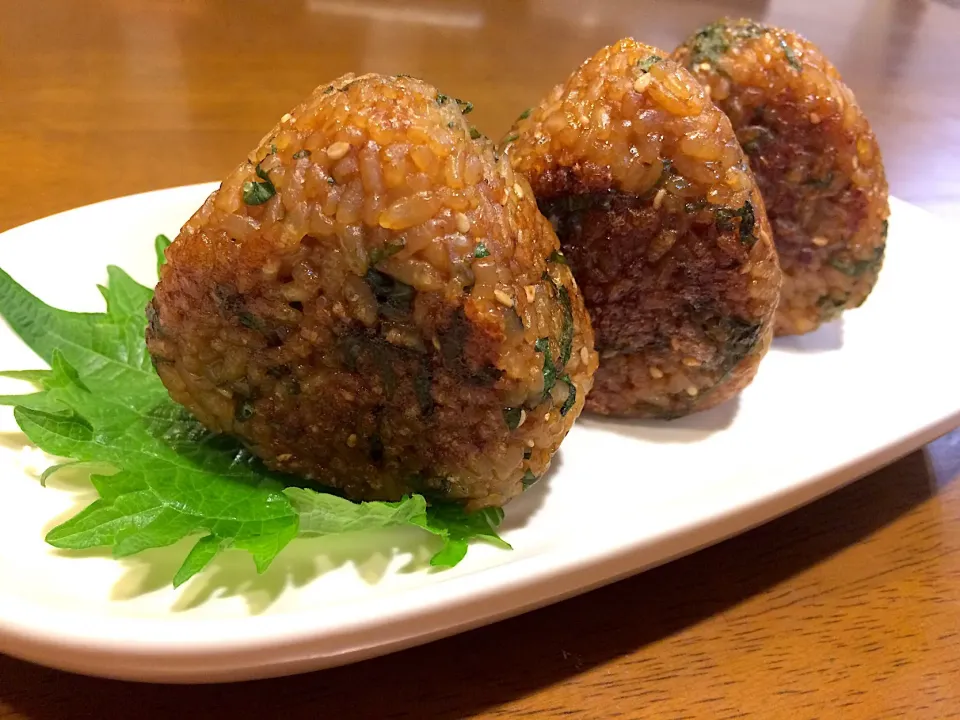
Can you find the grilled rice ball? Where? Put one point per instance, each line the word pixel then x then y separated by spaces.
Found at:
pixel 815 157
pixel 372 301
pixel 660 220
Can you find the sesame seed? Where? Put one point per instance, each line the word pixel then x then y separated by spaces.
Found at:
pixel 283 457
pixel 703 66
pixel 655 372
pixel 523 417
pixel 396 337
pixel 607 354
pixel 337 150
pixel 658 198
pixel 287 117
pixel 436 343
pixel 856 162
pixel 530 443
pixel 546 417
pixel 531 292
pixel 352 440
pixel 814 118
pixel 518 190
pixel 692 391
pixel 271 268
pixel 641 83
pixel 463 222
pixel 820 241
pixel 503 298
pixel 584 355
pixel 691 362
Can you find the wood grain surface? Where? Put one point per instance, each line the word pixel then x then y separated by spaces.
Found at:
pixel 848 608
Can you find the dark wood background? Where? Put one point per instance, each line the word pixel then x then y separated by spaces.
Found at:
pixel 847 608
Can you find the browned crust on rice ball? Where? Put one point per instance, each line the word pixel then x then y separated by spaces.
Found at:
pixel 815 157
pixel 661 222
pixel 368 302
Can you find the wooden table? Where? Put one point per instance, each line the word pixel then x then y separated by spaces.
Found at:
pixel 847 608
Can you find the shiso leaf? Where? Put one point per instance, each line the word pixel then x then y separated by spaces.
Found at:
pixel 456 528
pixel 571 395
pixel 102 403
pixel 31 376
pixel 326 514
pixel 549 369
pixel 648 62
pixel 160 245
pixel 53 469
pixel 205 550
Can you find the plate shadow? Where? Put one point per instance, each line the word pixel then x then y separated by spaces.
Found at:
pixel 826 338
pixel 521 509
pixel 232 574
pixel 690 429
pixel 302 562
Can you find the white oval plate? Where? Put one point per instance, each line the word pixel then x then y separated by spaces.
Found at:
pixel 623 496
